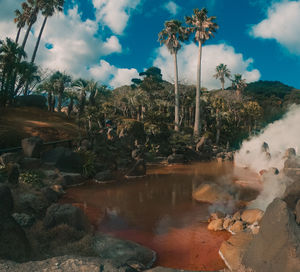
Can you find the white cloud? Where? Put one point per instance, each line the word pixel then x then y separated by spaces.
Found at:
pixel 282 24
pixel 213 55
pixel 111 75
pixel 115 13
pixel 172 8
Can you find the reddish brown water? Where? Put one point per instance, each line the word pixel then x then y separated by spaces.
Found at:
pixel 158 211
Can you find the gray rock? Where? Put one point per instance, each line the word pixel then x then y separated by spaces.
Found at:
pixel 65 214
pixel 53 155
pixel 13 174
pixel 121 252
pixel 139 169
pixel 70 162
pixel 24 220
pixel 70 179
pixel 50 194
pixel 7 158
pixel 6 201
pixel 104 176
pixel 276 246
pixel 64 264
pixel 30 163
pixel 13 241
pixel 292 194
pixel 32 147
pixel 32 203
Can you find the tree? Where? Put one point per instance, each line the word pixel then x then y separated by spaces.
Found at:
pixel 203 27
pixel 48 8
pixel 222 73
pixel 60 81
pixel 171 36
pixel 239 84
pixel 20 21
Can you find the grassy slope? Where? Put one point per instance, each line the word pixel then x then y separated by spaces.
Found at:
pixel 19 123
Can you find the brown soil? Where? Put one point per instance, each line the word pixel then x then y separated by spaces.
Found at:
pixel 19 123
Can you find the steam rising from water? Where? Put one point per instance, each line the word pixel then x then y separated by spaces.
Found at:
pixel 280 136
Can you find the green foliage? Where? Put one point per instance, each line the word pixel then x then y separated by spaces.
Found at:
pixel 89 158
pixel 32 177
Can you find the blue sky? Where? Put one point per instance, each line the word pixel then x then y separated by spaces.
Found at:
pixel 112 40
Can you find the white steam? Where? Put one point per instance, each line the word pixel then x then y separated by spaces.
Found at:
pixel 279 136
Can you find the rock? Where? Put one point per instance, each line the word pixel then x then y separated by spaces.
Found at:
pixel 297 210
pixel 292 194
pixel 228 222
pixel 237 227
pixel 211 193
pixel 8 158
pixel 50 194
pixel 232 250
pixel 252 215
pixel 24 220
pixel 53 155
pixel 70 162
pixel 292 162
pixel 216 225
pixel 139 169
pixel 6 201
pixel 65 214
pixel 265 147
pixel 70 179
pixel 121 252
pixel 64 264
pixel 30 163
pixel 137 154
pixel 13 174
pixel 32 203
pixel 58 189
pixel 237 216
pixel 32 147
pixel 176 158
pixel 276 246
pixel 290 153
pixel 217 215
pixel 13 241
pixel 104 176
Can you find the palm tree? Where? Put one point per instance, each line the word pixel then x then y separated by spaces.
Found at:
pixel 20 20
pixel 171 36
pixel 239 84
pixel 48 8
pixel 222 72
pixel 203 27
pixel 9 54
pixel 47 86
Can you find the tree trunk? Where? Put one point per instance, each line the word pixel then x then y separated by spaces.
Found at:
pixel 176 95
pixel 38 40
pixel 18 34
pixel 26 35
pixel 222 82
pixel 197 125
pixel 70 107
pixel 59 102
pixel 218 127
pixel 49 99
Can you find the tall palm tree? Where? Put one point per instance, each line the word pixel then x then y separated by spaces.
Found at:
pixel 239 84
pixel 60 81
pixel 48 8
pixel 20 21
pixel 171 36
pixel 222 73
pixel 204 28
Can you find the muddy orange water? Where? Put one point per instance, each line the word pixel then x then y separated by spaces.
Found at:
pixel 158 211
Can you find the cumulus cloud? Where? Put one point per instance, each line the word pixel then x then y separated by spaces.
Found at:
pixel 282 24
pixel 213 55
pixel 115 13
pixel 115 77
pixel 172 8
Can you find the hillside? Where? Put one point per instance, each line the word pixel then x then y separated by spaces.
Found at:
pixel 19 123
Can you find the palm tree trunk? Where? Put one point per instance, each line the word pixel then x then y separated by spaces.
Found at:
pixel 18 34
pixel 38 40
pixel 26 36
pixel 59 102
pixel 176 94
pixel 223 82
pixel 197 126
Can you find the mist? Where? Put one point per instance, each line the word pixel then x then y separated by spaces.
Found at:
pixel 279 136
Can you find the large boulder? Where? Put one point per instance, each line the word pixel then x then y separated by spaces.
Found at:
pixel 65 264
pixel 6 201
pixel 32 147
pixel 70 161
pixel 139 169
pixel 232 250
pixel 276 246
pixel 13 241
pixel 53 155
pixel 65 214
pixel 121 252
pixel 211 193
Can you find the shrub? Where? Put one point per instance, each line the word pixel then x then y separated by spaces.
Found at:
pixel 32 177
